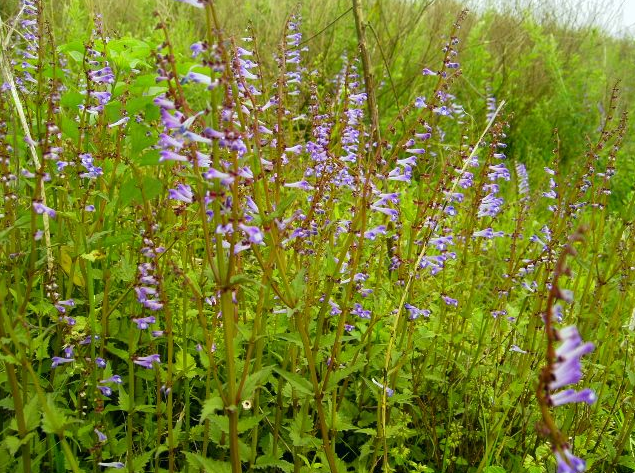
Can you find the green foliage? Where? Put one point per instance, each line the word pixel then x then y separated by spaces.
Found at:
pixel 277 332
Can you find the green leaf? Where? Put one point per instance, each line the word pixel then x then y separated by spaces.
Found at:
pixel 207 464
pixel 185 364
pixel 210 406
pixel 72 99
pixel 269 462
pixel 139 463
pixel 12 444
pixel 248 423
pixel 343 373
pixel 626 461
pixel 124 399
pixel 69 128
pixel 254 380
pixel 123 354
pixel 494 469
pixel 296 381
pixel 53 419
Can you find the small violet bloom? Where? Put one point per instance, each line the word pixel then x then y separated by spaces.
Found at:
pixel 148 361
pixel 56 361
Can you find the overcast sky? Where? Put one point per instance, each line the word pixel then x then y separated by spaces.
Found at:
pixel 615 16
pixel 628 16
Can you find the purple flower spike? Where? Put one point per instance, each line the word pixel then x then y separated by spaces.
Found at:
pixel 105 390
pixel 148 361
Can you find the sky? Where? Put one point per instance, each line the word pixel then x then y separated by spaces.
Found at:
pixel 614 16
pixel 627 21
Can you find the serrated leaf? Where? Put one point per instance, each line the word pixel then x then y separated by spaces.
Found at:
pixel 248 423
pixel 123 354
pixel 207 464
pixel 12 444
pixel 185 364
pixel 124 399
pixel 53 419
pixel 296 381
pixel 267 461
pixel 139 463
pixel 626 461
pixel 343 373
pixel 254 380
pixel 210 406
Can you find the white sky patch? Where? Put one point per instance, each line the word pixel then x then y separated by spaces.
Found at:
pixel 616 17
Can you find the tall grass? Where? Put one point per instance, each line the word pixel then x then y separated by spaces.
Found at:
pixel 224 256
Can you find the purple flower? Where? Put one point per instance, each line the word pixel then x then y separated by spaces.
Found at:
pixel 567 369
pixel 373 232
pixel 253 233
pixel 40 208
pixel 392 213
pixel 144 322
pixel 335 309
pixel 450 301
pixel 194 3
pixel 56 361
pixel 359 311
pixel 182 193
pixel 102 76
pixel 143 292
pixel 216 174
pixel 117 465
pixel 105 390
pixel 121 121
pixel 113 379
pixel 167 155
pixel 152 304
pixel 148 361
pixel 389 392
pixel 569 463
pixel 415 312
pixel 304 185
pixel 420 102
pixel 100 435
pixel 100 362
pixel 571 395
pixel 409 161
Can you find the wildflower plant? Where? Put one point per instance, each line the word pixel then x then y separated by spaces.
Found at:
pixel 216 257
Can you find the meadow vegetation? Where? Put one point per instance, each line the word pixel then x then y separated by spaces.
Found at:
pixel 264 236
